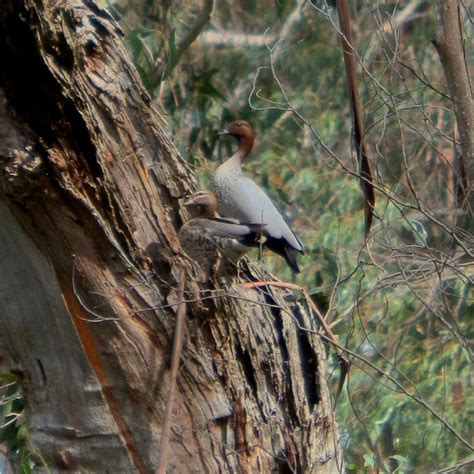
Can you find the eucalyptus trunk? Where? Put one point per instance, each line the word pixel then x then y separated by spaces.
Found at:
pixel 90 189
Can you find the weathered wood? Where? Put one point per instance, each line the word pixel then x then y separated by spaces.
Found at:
pixel 45 351
pixel 90 187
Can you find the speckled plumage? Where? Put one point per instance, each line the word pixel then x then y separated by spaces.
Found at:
pixel 241 198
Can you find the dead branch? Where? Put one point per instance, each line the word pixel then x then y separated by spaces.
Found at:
pixel 175 360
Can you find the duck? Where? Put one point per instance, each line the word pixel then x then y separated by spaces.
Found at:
pixel 207 236
pixel 241 198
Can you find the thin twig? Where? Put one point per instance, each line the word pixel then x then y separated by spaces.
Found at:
pixel 175 360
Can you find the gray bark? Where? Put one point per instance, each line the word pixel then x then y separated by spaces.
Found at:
pixel 90 190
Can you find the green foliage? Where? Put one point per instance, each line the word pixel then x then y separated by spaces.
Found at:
pixel 13 431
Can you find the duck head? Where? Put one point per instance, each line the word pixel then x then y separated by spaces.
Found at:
pixel 202 204
pixel 243 132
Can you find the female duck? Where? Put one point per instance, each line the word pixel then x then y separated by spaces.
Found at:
pixel 205 235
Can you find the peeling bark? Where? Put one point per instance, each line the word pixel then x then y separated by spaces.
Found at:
pixel 89 203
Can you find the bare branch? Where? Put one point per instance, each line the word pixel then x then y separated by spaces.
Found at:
pixel 175 359
pixel 199 23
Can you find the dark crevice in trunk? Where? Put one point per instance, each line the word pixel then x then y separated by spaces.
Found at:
pixel 285 354
pixel 61 52
pixel 40 102
pixel 33 100
pixel 72 125
pixel 244 358
pixel 309 364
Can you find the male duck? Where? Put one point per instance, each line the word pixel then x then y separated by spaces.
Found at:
pixel 241 198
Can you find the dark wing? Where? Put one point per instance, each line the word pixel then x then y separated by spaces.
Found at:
pixel 246 234
pixel 232 228
pixel 228 220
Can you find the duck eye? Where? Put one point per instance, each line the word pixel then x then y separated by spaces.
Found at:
pixel 239 124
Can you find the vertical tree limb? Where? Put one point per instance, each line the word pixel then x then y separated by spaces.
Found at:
pixel 449 43
pixel 357 115
pixel 193 32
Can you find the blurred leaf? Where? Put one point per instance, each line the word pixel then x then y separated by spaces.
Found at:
pixel 369 460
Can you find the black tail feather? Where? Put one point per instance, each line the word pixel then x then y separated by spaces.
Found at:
pixel 290 259
pixel 281 247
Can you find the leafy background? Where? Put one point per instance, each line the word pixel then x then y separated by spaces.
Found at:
pixel 402 301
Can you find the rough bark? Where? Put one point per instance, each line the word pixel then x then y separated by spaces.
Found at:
pixel 89 207
pixel 449 43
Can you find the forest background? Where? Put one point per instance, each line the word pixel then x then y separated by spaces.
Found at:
pixel 401 300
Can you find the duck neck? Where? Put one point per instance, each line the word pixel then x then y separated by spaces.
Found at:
pixel 205 214
pixel 245 146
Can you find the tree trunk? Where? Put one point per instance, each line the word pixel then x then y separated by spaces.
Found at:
pixel 89 208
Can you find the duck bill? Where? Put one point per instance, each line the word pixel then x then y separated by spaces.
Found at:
pixel 189 202
pixel 224 131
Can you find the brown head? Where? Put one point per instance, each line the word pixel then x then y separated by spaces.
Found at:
pixel 243 132
pixel 202 204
